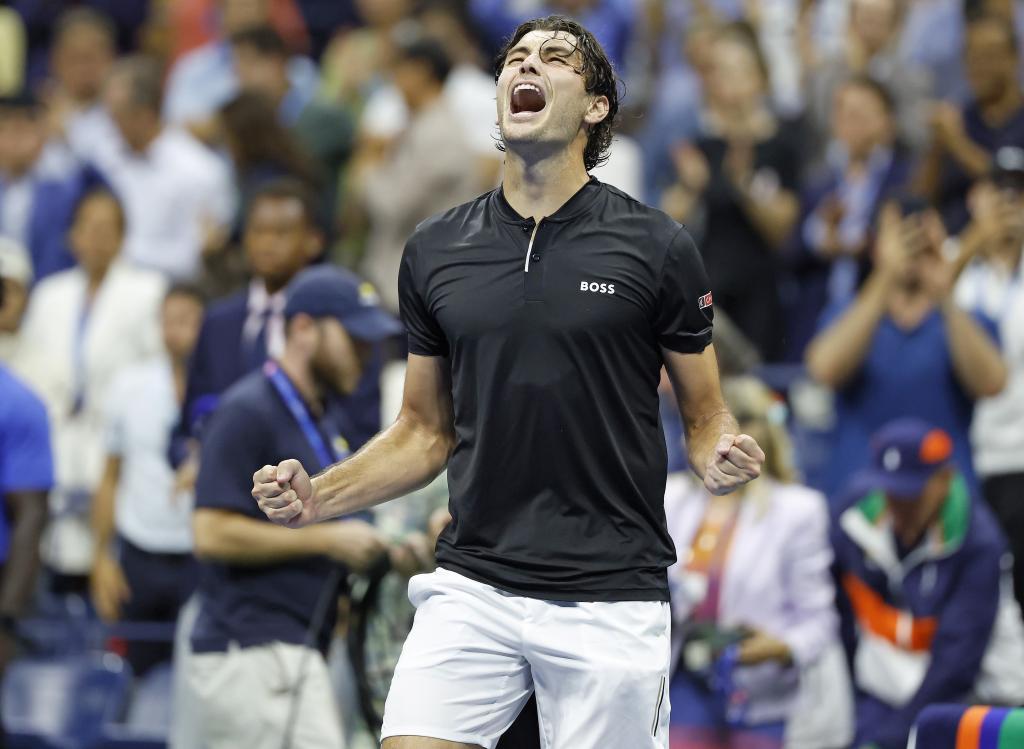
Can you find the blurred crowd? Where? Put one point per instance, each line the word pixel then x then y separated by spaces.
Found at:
pixel 851 170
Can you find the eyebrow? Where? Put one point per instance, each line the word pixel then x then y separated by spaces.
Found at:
pixel 552 46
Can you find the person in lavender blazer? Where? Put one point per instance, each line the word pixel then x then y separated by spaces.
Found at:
pixel 755 632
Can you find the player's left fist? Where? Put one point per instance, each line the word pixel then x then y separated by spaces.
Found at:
pixel 736 460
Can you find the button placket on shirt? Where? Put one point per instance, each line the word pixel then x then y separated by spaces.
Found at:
pixel 533 278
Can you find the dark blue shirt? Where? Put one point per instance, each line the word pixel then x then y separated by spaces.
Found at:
pixel 253 604
pixel 26 463
pixel 905 373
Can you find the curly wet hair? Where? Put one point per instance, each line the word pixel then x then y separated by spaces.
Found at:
pixel 598 75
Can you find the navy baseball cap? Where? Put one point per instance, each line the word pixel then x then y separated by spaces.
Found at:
pixel 905 453
pixel 329 291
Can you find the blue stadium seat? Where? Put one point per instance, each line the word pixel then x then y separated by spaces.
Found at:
pixel 147 721
pixel 63 703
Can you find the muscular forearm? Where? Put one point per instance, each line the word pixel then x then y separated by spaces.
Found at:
pixel 223 536
pixel 401 459
pixel 978 365
pixel 703 434
pixel 837 353
pixel 29 512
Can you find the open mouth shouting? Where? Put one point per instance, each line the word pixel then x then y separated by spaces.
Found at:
pixel 526 101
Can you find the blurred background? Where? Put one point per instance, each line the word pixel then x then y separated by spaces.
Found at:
pixel 851 170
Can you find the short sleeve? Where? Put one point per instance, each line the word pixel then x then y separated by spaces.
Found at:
pixel 684 313
pixel 232 450
pixel 26 459
pixel 425 336
pixel 114 416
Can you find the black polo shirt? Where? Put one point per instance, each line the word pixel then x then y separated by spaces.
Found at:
pixel 558 475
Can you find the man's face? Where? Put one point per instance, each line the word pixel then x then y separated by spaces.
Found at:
pixel 912 515
pixel 339 359
pixel 260 72
pixel 734 77
pixel 279 242
pixel 873 22
pixel 990 61
pixel 22 137
pixel 96 233
pixel 860 120
pixel 180 320
pixel 132 121
pixel 541 97
pixel 82 60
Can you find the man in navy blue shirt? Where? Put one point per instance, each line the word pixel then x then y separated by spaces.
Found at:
pixel 256 647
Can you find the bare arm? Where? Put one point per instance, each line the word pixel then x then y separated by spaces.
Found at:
pixel 721 456
pixel 27 512
pixel 978 365
pixel 404 457
pixel 837 353
pixel 107 582
pixel 102 516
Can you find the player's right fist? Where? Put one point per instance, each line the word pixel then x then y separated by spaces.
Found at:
pixel 285 494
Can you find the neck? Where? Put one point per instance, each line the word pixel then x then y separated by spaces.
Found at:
pixel 1000 109
pixel 538 188
pixel 143 145
pixel 301 374
pixel 179 372
pixel 273 285
pixel 94 279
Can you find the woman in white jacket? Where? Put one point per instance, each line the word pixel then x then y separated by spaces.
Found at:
pixel 755 637
pixel 82 327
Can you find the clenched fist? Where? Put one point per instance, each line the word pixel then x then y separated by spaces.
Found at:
pixel 737 459
pixel 285 494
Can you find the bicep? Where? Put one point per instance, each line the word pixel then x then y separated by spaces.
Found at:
pixel 696 383
pixel 427 397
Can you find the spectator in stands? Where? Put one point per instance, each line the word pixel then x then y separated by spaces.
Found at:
pixel 143 568
pixel 267 593
pixel 82 54
pixel 963 140
pixel 865 164
pixel 738 183
pixel 26 475
pixel 82 327
pixel 433 148
pixel 15 283
pixel 870 48
pixel 177 194
pixel 239 333
pixel 35 201
pixel 901 348
pixel 261 148
pixel 992 283
pixel 752 597
pixel 203 80
pixel 922 566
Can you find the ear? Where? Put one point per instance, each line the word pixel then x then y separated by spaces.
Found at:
pixel 597 112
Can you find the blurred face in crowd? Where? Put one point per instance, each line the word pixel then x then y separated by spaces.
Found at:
pixel 257 71
pixel 138 125
pixel 81 60
pixel 383 13
pixel 239 14
pixel 735 80
pixel 96 233
pixel 413 78
pixel 279 240
pixel 873 22
pixel 860 120
pixel 990 60
pixel 13 300
pixel 336 358
pixel 911 516
pixel 22 137
pixel 180 319
pixel 542 99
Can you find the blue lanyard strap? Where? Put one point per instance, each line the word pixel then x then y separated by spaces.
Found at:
pixel 326 453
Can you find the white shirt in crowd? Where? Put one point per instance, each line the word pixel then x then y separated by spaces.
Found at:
pixel 173 194
pixel 141 412
pixel 71 361
pixel 997 430
pixel 265 309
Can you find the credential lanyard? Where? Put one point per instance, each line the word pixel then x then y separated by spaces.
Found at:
pixel 326 453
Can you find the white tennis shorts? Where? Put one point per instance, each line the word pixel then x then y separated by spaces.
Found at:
pixel 475 653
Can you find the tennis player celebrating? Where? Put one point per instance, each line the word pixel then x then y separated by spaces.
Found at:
pixel 539 316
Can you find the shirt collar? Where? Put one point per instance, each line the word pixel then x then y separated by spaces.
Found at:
pixel 260 301
pixel 580 202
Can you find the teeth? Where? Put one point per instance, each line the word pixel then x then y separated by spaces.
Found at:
pixel 529 86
